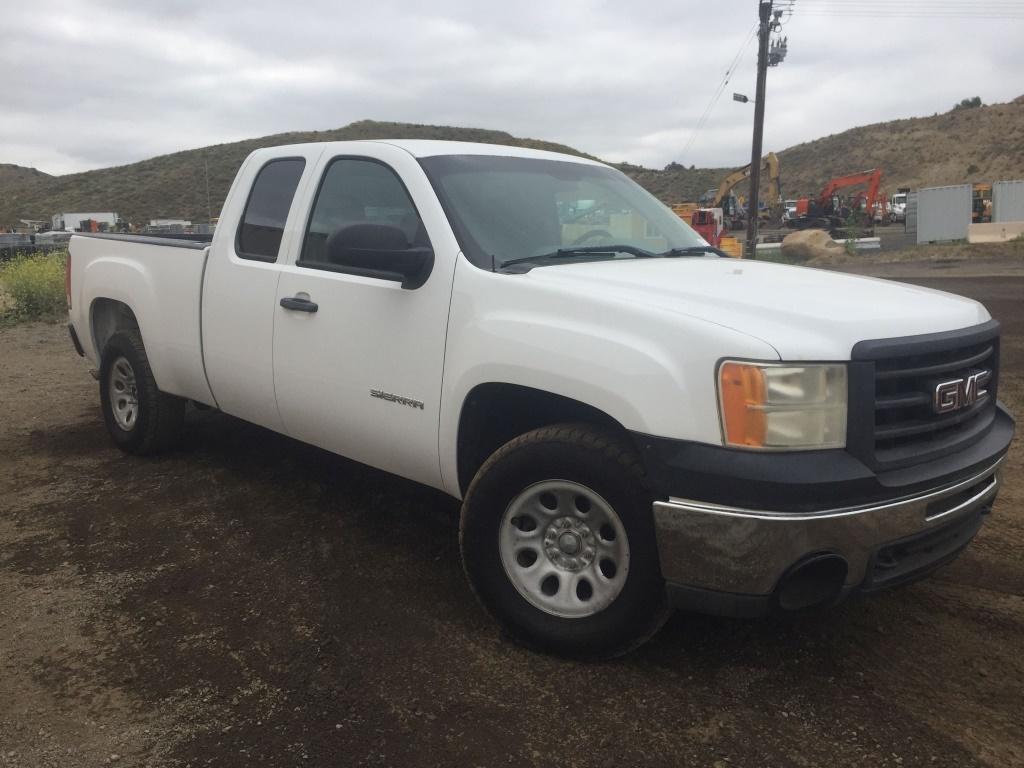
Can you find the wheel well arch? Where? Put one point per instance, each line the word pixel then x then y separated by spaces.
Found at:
pixel 107 317
pixel 494 413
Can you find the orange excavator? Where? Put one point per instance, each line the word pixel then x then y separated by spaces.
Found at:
pixel 832 211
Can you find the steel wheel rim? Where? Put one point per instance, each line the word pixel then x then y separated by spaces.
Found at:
pixel 123 394
pixel 564 549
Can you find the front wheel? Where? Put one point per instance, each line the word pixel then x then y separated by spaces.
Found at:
pixel 558 542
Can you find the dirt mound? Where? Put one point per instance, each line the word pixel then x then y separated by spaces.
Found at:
pixel 808 244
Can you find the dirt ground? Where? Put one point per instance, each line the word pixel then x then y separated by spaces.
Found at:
pixel 248 600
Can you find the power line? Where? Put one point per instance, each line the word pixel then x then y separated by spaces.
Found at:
pixel 729 72
pixel 922 15
pixel 909 10
pixel 884 5
pixel 992 9
pixel 911 3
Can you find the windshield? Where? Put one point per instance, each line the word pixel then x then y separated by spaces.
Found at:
pixel 505 208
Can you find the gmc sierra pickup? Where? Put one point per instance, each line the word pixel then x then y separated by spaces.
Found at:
pixel 631 420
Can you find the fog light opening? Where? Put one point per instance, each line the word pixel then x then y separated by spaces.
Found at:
pixel 814 581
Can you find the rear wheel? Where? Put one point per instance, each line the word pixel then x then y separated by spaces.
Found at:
pixel 139 417
pixel 558 542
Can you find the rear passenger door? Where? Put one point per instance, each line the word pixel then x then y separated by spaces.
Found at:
pixel 361 375
pixel 240 282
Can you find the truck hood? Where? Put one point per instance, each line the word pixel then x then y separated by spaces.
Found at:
pixel 804 313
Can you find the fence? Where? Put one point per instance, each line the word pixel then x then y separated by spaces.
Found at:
pixel 12 245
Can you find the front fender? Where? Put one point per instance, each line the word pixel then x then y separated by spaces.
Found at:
pixel 651 371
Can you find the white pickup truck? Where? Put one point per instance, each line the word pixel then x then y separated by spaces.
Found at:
pixel 631 420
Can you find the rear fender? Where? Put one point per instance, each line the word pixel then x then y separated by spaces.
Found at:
pixel 164 296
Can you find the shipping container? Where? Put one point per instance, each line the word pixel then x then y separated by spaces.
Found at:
pixel 943 213
pixel 1008 201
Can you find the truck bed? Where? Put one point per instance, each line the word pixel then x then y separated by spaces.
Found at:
pixel 160 280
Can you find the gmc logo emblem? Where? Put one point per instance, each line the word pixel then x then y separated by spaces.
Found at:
pixel 959 393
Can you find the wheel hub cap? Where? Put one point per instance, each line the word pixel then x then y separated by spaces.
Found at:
pixel 564 548
pixel 123 393
pixel 569 544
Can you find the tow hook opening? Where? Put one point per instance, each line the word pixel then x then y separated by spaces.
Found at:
pixel 814 581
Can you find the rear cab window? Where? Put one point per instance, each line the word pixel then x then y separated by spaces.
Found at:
pixel 266 211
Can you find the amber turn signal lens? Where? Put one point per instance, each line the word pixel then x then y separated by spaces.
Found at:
pixel 743 393
pixel 778 406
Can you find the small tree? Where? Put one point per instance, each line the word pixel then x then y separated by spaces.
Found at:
pixel 970 103
pixel 854 228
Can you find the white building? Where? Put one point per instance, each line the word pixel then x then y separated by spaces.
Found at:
pixel 170 223
pixel 69 222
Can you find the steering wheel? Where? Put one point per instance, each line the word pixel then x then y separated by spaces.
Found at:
pixel 591 235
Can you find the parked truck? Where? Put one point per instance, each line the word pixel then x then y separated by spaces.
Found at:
pixel 631 421
pixel 898 205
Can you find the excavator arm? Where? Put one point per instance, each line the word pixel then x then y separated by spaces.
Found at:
pixel 769 163
pixel 728 183
pixel 824 214
pixel 872 178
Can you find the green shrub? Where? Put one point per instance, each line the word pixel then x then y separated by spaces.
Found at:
pixel 972 103
pixel 33 286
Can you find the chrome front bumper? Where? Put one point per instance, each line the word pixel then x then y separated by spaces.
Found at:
pixel 747 551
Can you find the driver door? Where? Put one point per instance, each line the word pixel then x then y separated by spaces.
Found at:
pixel 358 359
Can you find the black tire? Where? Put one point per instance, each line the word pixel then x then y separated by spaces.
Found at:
pixel 159 419
pixel 607 465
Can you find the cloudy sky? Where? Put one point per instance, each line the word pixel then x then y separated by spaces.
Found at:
pixel 92 84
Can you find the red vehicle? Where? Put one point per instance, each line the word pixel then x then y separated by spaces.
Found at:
pixel 709 224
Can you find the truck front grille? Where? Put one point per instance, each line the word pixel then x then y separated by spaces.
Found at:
pixel 901 377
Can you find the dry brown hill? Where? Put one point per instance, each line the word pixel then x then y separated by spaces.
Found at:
pixel 16 176
pixel 983 143
pixel 963 145
pixel 175 185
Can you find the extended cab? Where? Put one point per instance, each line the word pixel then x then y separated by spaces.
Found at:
pixel 632 420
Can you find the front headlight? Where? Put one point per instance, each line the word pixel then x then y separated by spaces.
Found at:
pixel 782 407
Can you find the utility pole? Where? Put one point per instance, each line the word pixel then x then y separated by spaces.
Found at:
pixel 764 12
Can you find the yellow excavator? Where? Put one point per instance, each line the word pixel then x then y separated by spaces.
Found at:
pixel 721 198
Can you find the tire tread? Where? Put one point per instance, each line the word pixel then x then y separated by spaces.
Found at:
pixel 163 414
pixel 615 449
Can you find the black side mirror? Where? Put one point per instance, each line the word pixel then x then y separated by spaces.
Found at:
pixel 381 251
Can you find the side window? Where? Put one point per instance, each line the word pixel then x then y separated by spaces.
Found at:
pixel 361 209
pixel 262 225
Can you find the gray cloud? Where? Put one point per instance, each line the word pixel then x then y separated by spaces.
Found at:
pixel 91 84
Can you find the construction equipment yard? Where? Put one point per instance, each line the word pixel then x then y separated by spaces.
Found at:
pixel 225 603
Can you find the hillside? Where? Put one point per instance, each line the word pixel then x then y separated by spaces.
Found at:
pixel 174 185
pixel 968 145
pixel 984 143
pixel 15 177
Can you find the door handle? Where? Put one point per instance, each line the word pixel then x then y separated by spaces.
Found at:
pixel 299 304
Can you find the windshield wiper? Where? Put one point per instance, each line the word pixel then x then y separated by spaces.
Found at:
pixel 695 250
pixel 568 253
